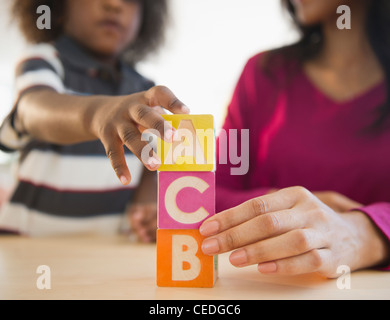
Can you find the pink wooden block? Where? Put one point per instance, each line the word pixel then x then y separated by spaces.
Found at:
pixel 185 199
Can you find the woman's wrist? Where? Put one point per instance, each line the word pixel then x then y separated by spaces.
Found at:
pixel 373 249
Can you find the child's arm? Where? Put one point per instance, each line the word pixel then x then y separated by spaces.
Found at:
pixel 65 119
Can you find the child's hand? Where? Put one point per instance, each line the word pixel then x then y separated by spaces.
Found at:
pixel 120 123
pixel 292 232
pixel 143 221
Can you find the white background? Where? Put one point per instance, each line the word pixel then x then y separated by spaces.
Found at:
pixel 208 44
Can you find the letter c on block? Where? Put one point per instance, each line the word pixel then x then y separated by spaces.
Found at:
pixel 170 200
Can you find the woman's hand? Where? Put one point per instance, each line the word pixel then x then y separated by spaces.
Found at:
pixel 143 221
pixel 118 121
pixel 334 200
pixel 337 201
pixel 291 232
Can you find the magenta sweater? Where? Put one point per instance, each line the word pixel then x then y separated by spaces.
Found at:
pixel 299 136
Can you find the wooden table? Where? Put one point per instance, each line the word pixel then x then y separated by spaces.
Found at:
pixel 92 267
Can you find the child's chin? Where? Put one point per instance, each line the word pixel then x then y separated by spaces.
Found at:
pixel 108 50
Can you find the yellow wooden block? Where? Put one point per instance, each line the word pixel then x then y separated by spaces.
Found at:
pixel 193 148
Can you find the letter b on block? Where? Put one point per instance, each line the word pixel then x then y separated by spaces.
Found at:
pixel 185 199
pixel 181 262
pixel 184 249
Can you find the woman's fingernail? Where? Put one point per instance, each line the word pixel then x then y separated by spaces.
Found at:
pixel 267 267
pixel 209 228
pixel 210 246
pixel 124 180
pixel 238 258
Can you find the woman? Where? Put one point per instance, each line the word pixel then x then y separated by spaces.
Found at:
pixel 319 120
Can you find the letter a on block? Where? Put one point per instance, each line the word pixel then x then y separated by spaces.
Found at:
pixel 185 199
pixel 193 148
pixel 181 262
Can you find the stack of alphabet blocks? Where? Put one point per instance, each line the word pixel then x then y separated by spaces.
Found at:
pixel 186 197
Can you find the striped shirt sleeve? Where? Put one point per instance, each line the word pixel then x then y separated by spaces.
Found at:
pixel 39 67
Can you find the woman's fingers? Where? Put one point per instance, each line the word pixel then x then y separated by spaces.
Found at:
pixel 280 200
pixel 299 251
pixel 290 244
pixel 317 260
pixel 259 228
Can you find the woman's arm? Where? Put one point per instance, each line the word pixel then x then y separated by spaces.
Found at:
pixel 65 119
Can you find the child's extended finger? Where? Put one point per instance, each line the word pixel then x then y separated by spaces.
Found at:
pixel 162 96
pixel 148 118
pixel 116 155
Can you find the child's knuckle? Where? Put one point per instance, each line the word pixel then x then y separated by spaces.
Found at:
pixel 159 125
pixel 129 136
pixel 142 113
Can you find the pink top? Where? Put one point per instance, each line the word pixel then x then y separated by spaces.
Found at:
pixel 299 136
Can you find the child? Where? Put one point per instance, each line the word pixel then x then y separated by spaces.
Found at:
pixel 318 115
pixel 79 101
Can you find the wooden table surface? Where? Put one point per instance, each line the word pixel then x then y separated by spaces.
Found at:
pixel 98 267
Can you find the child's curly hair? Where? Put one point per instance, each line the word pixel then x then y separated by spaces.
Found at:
pixel 151 35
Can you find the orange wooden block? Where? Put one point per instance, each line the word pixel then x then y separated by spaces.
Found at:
pixel 181 262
